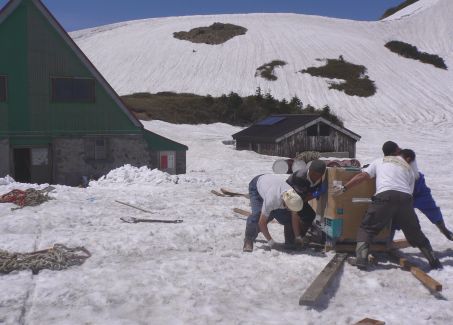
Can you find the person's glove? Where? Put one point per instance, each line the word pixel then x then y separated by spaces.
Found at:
pixel 337 190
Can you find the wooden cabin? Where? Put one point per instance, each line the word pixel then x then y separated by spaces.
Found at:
pixel 60 120
pixel 289 135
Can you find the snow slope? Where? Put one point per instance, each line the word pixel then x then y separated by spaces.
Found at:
pixel 139 56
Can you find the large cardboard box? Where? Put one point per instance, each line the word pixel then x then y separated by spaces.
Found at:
pixel 340 218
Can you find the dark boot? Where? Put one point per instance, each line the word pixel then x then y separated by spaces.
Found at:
pixel 248 246
pixel 428 252
pixel 443 229
pixel 362 251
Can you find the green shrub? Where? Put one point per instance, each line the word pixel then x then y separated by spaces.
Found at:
pixel 215 34
pixel 356 82
pixel 394 10
pixel 266 71
pixel 411 52
pixel 232 108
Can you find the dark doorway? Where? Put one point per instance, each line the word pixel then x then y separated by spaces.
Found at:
pixel 22 165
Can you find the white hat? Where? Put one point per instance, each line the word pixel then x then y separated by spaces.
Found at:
pixel 293 201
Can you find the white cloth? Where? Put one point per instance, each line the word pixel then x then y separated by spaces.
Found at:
pixel 271 188
pixel 392 174
pixel 415 169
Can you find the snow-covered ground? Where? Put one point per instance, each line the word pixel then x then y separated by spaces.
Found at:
pixel 195 272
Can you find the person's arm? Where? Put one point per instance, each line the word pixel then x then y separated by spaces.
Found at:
pixel 263 227
pixel 356 180
pixel 295 222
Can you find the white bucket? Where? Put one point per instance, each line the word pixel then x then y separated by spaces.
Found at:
pixel 281 166
pixel 298 165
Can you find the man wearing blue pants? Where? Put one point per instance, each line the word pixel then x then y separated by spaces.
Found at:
pixel 271 198
pixel 423 199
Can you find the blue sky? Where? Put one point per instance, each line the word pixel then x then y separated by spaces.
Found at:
pixel 79 14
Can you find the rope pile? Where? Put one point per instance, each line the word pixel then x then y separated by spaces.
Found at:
pixel 30 197
pixel 57 258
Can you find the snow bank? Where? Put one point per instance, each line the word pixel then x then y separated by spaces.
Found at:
pixel 133 175
pixel 6 180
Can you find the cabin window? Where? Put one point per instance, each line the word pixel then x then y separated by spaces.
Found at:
pixel 312 131
pixel 324 130
pixel 3 88
pixel 73 90
pixel 96 148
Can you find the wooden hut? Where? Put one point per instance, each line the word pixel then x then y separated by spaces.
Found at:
pixel 59 118
pixel 288 135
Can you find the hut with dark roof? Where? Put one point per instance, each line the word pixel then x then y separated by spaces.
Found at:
pixel 288 135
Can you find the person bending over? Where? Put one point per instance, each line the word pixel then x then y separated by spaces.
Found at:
pixel 271 197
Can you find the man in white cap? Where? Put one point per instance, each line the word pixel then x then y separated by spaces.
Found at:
pixel 271 197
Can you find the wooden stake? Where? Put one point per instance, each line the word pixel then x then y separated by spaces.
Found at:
pixel 242 212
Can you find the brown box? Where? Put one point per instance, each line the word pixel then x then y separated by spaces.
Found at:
pixel 339 216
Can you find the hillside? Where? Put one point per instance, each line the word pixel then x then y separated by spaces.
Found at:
pixel 143 56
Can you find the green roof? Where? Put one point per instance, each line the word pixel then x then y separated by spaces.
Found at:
pixel 159 143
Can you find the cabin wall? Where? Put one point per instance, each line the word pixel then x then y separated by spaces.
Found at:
pixel 4 158
pixel 71 161
pixel 300 142
pixel 181 162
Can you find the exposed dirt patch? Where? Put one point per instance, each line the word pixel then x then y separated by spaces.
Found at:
pixel 411 52
pixel 217 33
pixel 266 71
pixel 356 82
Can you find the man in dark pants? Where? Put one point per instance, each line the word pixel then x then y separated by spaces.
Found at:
pixel 423 199
pixel 271 197
pixel 307 183
pixel 392 202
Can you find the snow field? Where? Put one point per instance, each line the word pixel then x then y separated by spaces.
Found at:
pixel 195 272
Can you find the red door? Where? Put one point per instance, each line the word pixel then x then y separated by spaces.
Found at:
pixel 163 162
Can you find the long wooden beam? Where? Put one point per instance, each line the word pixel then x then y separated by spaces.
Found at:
pixel 424 278
pixel 322 281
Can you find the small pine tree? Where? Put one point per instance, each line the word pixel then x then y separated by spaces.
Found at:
pixel 309 109
pixel 296 103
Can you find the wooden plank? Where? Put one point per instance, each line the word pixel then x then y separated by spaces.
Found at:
pixel 400 244
pixel 350 248
pixel 232 193
pixel 424 278
pixel 322 281
pixel 370 321
pixel 218 193
pixel 242 212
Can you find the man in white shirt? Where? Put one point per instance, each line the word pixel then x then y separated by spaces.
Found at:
pixel 423 199
pixel 271 197
pixel 393 201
